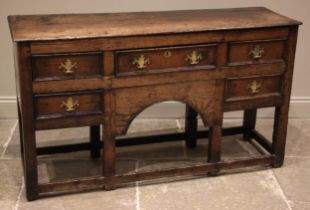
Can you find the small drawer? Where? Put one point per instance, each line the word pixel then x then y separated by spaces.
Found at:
pixel 160 59
pixel 66 66
pixel 254 52
pixel 238 89
pixel 68 105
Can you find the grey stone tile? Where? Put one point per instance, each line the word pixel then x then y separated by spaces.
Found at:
pixel 119 199
pixel 141 127
pixel 152 125
pixel 298 138
pixel 298 135
pixel 40 204
pixel 150 151
pixel 51 138
pixel 62 169
pixel 6 127
pixel 299 205
pixel 231 148
pixel 236 191
pixel 7 205
pixel 13 148
pixel 10 182
pixel 226 123
pixel 294 178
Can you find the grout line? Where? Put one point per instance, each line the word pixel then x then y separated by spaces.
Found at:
pixel 286 200
pixel 137 189
pixel 6 144
pixel 19 196
pixel 293 156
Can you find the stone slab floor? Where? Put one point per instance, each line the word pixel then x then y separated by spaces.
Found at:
pixel 256 188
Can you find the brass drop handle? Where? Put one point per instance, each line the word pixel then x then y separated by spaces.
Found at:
pixel 70 104
pixel 194 57
pixel 68 67
pixel 141 61
pixel 254 87
pixel 257 52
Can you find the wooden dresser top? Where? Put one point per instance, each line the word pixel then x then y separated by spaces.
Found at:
pixel 77 26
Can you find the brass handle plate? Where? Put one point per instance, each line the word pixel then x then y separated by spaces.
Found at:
pixel 68 66
pixel 141 61
pixel 257 52
pixel 70 104
pixel 254 87
pixel 194 57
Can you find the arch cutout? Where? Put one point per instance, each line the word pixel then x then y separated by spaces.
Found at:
pixel 205 116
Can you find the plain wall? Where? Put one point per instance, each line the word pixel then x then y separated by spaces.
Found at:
pixel 298 9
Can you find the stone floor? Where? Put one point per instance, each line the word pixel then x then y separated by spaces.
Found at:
pixel 283 188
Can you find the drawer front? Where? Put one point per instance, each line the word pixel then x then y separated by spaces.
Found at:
pixel 66 66
pixel 148 60
pixel 254 52
pixel 68 105
pixel 252 88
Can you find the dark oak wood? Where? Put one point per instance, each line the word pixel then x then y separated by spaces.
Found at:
pixel 281 112
pixel 238 89
pixel 249 121
pixel 138 42
pixel 191 123
pixel 77 70
pixel 86 184
pixel 77 26
pixel 95 144
pixel 159 61
pixel 49 106
pixel 239 52
pixel 27 121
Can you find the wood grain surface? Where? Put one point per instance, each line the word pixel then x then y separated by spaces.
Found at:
pixel 76 26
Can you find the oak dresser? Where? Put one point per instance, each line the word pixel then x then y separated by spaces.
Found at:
pixel 98 70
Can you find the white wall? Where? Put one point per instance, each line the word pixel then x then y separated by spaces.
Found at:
pixel 299 9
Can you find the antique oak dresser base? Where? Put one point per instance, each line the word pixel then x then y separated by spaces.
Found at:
pixel 104 69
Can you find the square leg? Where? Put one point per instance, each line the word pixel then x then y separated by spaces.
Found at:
pixel 190 127
pixel 279 135
pixel 249 121
pixel 214 147
pixel 94 141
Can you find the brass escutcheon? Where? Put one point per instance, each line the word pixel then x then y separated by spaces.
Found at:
pixel 257 52
pixel 67 67
pixel 167 54
pixel 141 61
pixel 70 104
pixel 254 87
pixel 194 57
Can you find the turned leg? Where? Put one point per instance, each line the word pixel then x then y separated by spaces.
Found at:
pixel 94 141
pixel 190 127
pixel 249 121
